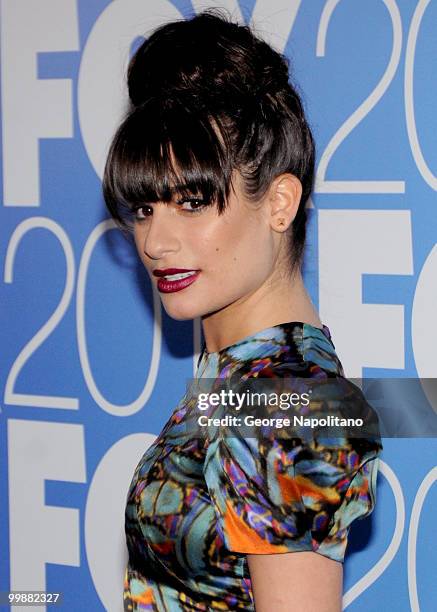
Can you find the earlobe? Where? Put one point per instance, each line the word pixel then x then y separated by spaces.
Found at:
pixel 286 192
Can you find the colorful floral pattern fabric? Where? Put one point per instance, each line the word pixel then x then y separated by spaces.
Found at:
pixel 198 504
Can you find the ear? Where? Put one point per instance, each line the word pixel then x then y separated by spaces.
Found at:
pixel 285 193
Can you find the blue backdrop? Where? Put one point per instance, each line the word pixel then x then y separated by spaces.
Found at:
pixel 87 352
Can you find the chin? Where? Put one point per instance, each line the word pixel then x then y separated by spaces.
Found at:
pixel 188 308
pixel 182 312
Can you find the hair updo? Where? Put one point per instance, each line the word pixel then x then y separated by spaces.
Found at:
pixel 214 97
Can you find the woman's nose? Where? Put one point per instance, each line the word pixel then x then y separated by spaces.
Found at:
pixel 161 238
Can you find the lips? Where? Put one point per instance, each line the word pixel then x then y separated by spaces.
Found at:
pixel 172 271
pixel 175 279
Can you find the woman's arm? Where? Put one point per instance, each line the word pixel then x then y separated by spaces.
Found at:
pixel 296 581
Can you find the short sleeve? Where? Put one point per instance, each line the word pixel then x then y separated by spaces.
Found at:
pixel 284 495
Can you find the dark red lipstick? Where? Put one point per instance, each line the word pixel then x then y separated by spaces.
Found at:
pixel 175 279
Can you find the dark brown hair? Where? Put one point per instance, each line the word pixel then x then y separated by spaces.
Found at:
pixel 216 97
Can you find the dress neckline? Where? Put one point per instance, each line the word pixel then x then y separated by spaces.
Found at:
pixel 266 334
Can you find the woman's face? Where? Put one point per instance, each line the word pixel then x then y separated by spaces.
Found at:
pixel 234 253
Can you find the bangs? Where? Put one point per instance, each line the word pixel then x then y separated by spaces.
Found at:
pixel 164 150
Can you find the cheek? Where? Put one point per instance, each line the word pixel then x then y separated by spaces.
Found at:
pixel 137 244
pixel 241 247
pixel 220 249
pixel 139 239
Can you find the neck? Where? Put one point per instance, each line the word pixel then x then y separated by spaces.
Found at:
pixel 274 302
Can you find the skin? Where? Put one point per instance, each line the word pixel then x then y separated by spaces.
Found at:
pixel 296 582
pixel 244 287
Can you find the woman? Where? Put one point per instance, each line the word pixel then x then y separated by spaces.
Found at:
pixel 211 169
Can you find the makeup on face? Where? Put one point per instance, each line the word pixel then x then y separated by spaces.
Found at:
pixel 175 279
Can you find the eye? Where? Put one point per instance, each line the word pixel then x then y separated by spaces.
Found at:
pixel 191 205
pixel 194 204
pixel 142 211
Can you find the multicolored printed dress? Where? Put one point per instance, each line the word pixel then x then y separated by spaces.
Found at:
pixel 197 505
